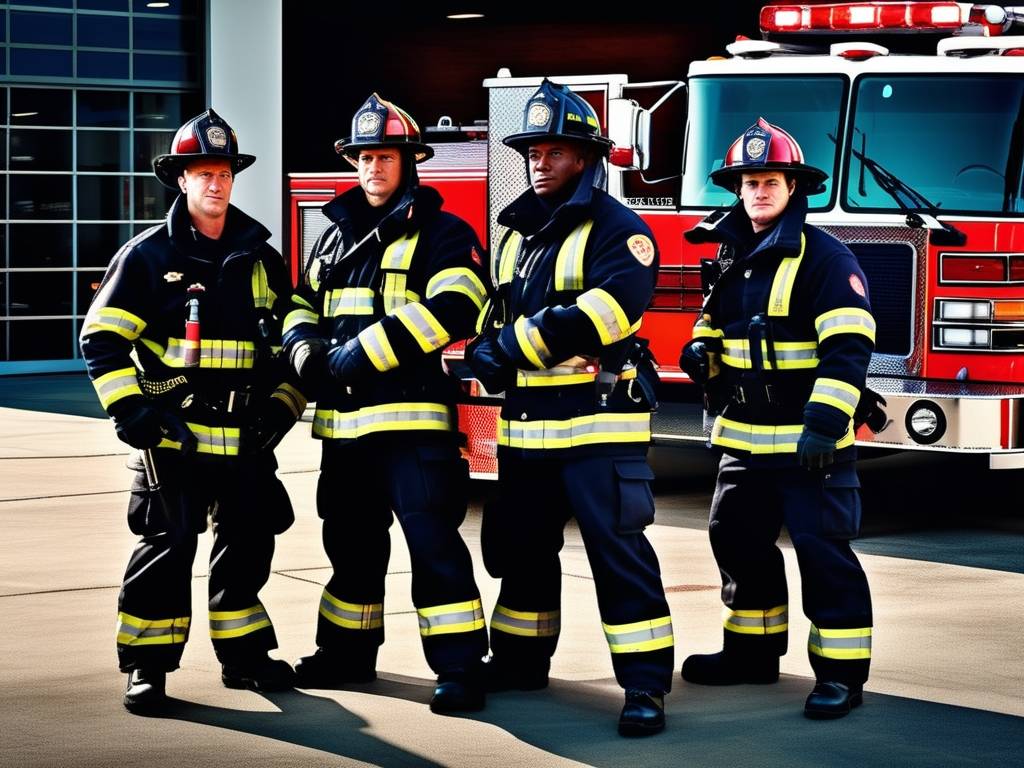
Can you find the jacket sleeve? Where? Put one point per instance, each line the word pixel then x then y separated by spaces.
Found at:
pixel 286 383
pixel 846 336
pixel 619 281
pixel 302 319
pixel 455 278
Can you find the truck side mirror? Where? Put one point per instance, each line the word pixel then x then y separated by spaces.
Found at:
pixel 629 128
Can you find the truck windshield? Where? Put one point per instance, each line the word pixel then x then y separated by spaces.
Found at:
pixel 721 108
pixel 956 140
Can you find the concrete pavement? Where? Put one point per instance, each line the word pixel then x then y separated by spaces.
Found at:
pixel 945 688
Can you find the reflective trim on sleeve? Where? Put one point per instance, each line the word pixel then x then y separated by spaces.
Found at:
pixel 351 615
pixel 605 313
pixel 789 355
pixel 531 342
pixel 836 393
pixel 506 263
pixel 526 623
pixel 581 430
pixel 845 320
pixel 117 385
pixel 296 299
pixel 291 397
pixel 131 630
pixel 390 417
pixel 639 636
pixel 569 262
pixel 451 618
pixel 213 353
pixel 458 280
pixel 378 348
pixel 115 320
pixel 703 329
pixel 262 295
pixel 782 285
pixel 482 316
pixel 395 293
pixel 841 644
pixel 298 317
pixel 423 326
pixel 348 301
pixel 398 255
pixel 748 622
pixel 764 438
pixel 229 624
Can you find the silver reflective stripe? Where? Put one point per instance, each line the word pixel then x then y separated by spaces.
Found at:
pixel 468 618
pixel 605 313
pixel 569 262
pixel 538 627
pixel 128 629
pixel 222 625
pixel 643 635
pixel 349 301
pixel 398 416
pixel 736 353
pixel 858 321
pixel 782 435
pixel 399 254
pixel 365 616
pixel 213 353
pixel 424 327
pixel 824 391
pixel 582 430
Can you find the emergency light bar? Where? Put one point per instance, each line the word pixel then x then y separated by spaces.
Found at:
pixel 859 17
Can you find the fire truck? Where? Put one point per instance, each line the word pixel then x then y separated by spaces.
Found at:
pixel 915 110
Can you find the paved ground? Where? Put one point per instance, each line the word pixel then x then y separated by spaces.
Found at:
pixel 945 688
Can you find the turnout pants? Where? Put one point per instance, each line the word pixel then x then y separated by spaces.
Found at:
pixel 248 505
pixel 423 481
pixel 523 535
pixel 821 511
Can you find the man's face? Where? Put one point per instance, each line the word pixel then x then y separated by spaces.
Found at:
pixel 207 186
pixel 380 174
pixel 765 196
pixel 554 165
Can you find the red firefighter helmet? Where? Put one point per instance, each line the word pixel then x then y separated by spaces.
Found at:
pixel 206 135
pixel 766 147
pixel 379 124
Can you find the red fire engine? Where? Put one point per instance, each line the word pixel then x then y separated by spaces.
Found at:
pixel 916 111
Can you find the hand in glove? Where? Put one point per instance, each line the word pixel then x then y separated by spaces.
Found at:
pixel 489 363
pixel 814 450
pixel 349 364
pixel 308 358
pixel 695 362
pixel 272 424
pixel 143 426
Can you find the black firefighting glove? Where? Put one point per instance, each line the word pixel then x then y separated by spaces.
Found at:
pixel 695 362
pixel 814 450
pixel 308 358
pixel 142 425
pixel 272 424
pixel 349 364
pixel 491 366
pixel 869 411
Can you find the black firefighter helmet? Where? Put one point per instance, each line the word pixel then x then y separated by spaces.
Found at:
pixel 379 124
pixel 206 135
pixel 555 112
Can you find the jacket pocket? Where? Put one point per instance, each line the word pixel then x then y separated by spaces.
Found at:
pixel 636 502
pixel 840 503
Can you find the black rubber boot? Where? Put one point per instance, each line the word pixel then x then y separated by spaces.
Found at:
pixel 146 691
pixel 259 673
pixel 729 669
pixel 458 691
pixel 643 713
pixel 331 669
pixel 830 700
pixel 500 676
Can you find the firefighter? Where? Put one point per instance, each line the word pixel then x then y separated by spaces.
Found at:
pixel 180 345
pixel 392 281
pixel 574 273
pixel 782 350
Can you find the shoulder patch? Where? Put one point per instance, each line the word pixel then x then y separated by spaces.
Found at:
pixel 642 248
pixel 858 286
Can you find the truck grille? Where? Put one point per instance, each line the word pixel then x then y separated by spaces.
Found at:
pixel 889 268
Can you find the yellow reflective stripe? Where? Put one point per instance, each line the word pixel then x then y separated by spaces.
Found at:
pixel 228 624
pixel 639 636
pixel 116 385
pixel 764 438
pixel 569 262
pixel 131 630
pixel 451 618
pixel 219 441
pixel 845 320
pixel 531 342
pixel 559 376
pixel 297 317
pixel 526 623
pixel 605 313
pixel 348 301
pixel 291 397
pixel 789 355
pixel 351 615
pixel 458 280
pixel 398 255
pixel 337 425
pixel 378 348
pixel 836 393
pixel 395 293
pixel 482 316
pixel 702 329
pixel 423 326
pixel 581 430
pixel 263 297
pixel 115 320
pixel 509 255
pixel 296 299
pixel 842 644
pixel 755 622
pixel 782 285
pixel 213 353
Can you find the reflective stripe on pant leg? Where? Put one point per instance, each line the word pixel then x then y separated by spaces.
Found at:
pixel 451 618
pixel 840 644
pixel 229 624
pixel 756 622
pixel 640 636
pixel 526 623
pixel 131 630
pixel 351 615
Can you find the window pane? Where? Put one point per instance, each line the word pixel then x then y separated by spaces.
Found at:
pixel 47 3
pixel 103 151
pixel 42 340
pixel 32 61
pixel 103 31
pixel 181 69
pixel 40 293
pixel 87 282
pixel 103 5
pixel 97 243
pixel 152 199
pixel 40 150
pixel 176 7
pixel 103 109
pixel 103 64
pixel 104 197
pixel 148 145
pixel 40 197
pixel 46 28
pixel 164 34
pixel 3 156
pixel 40 106
pixel 40 245
pixel 165 110
pixel 3 326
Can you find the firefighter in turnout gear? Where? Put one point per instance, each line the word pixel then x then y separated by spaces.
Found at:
pixel 574 273
pixel 182 345
pixel 390 283
pixel 782 350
